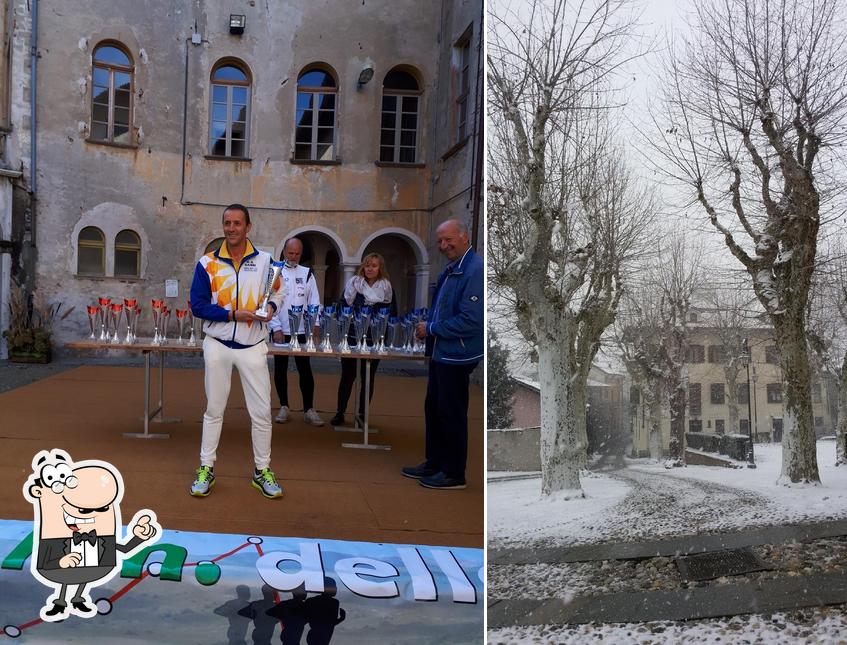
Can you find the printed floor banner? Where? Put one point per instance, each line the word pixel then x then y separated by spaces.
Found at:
pixel 217 588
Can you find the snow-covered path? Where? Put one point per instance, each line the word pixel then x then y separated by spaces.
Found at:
pixel 643 500
pixel 659 506
pixel 622 505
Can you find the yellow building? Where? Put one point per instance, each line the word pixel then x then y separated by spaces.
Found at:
pixel 708 407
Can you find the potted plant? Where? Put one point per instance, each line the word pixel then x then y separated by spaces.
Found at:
pixel 30 327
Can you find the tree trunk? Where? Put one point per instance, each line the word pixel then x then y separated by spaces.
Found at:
pixel 799 456
pixel 731 375
pixel 841 428
pixel 579 395
pixel 561 447
pixel 677 401
pixel 655 437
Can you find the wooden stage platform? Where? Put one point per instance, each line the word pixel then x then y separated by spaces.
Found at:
pixel 330 492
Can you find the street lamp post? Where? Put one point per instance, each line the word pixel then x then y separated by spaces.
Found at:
pixel 746 358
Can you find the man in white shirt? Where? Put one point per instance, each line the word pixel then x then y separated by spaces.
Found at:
pixel 300 289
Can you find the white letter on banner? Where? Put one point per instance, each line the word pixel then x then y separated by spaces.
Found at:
pixel 311 571
pixel 463 590
pixel 423 585
pixel 350 573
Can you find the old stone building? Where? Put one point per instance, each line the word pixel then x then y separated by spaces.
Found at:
pixel 708 408
pixel 356 126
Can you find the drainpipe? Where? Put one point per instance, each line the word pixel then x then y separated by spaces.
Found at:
pixel 479 149
pixel 33 42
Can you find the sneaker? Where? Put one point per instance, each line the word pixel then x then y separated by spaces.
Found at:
pixel 312 417
pixel 282 416
pixel 202 486
pixel 265 481
pixel 418 472
pixel 442 481
pixel 337 420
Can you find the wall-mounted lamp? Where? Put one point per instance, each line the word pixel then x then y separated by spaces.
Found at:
pixel 237 24
pixel 365 75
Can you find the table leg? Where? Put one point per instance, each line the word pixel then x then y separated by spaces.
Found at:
pixel 365 444
pixel 354 427
pixel 147 413
pixel 160 411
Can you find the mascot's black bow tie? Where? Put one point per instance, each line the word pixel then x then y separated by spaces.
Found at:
pixel 91 537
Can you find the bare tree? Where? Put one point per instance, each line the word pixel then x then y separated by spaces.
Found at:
pixel 755 104
pixel 565 216
pixel 828 335
pixel 654 337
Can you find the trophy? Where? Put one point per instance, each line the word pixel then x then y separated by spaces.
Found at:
pixel 309 315
pixel 274 270
pixel 361 322
pixel 129 306
pixel 135 322
pixel 379 327
pixel 192 340
pixel 344 327
pixel 156 308
pixel 394 331
pixel 180 319
pixel 164 316
pixel 327 323
pixel 418 316
pixel 104 309
pixel 93 311
pixel 409 333
pixel 295 315
pixel 116 308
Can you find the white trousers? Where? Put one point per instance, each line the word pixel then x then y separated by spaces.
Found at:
pixel 252 366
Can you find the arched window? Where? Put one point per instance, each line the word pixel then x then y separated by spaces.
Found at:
pixel 91 252
pixel 214 245
pixel 230 110
pixel 127 254
pixel 398 141
pixel 314 138
pixel 111 94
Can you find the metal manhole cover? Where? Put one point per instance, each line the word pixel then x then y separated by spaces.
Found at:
pixel 732 562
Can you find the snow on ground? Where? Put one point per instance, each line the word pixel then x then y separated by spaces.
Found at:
pixel 646 501
pixel 819 626
pixel 786 504
pixel 518 503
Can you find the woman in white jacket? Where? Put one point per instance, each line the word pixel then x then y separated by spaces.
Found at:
pixel 370 286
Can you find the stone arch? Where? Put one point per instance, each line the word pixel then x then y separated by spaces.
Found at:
pixel 421 255
pixel 323 252
pixel 407 263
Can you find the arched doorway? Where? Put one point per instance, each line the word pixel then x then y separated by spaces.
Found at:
pixel 321 254
pixel 401 262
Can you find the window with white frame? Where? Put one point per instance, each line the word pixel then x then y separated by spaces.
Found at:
pixel 111 94
pixel 314 132
pixel 401 96
pixel 230 110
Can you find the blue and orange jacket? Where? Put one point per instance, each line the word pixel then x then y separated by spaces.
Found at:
pixel 455 327
pixel 219 286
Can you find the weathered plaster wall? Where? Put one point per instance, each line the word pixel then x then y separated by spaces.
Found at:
pixel 140 187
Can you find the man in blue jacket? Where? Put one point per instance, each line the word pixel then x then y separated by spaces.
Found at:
pixel 454 343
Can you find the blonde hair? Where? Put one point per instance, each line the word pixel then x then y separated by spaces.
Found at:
pixel 383 272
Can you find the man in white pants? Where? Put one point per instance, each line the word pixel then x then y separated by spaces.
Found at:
pixel 300 289
pixel 225 293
